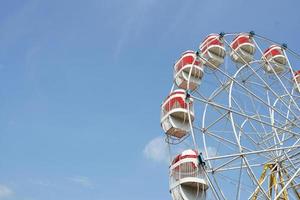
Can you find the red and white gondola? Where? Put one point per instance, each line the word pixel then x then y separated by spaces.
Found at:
pixel 243 48
pixel 274 59
pixel 175 111
pixel 188 71
pixel 187 179
pixel 212 51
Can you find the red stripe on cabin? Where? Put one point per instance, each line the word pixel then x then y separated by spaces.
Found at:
pixel 185 61
pixel 241 40
pixel 169 106
pixel 187 156
pixel 173 93
pixel 180 157
pixel 210 42
pixel 273 51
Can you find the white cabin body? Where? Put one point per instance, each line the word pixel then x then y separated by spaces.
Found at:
pixel 187 179
pixel 274 60
pixel 175 114
pixel 212 51
pixel 188 71
pixel 242 49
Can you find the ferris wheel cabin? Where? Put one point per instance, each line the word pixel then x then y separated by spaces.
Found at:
pixel 175 111
pixel 243 48
pixel 188 71
pixel 187 179
pixel 213 51
pixel 274 59
pixel 297 80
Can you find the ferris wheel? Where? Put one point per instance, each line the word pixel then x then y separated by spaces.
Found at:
pixel 232 120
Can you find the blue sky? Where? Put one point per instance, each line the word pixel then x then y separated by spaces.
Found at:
pixel 82 82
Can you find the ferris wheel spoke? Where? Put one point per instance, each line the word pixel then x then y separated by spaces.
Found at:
pixel 294 155
pixel 253 178
pixel 262 101
pixel 259 68
pixel 293 163
pixel 290 81
pixel 294 185
pixel 284 188
pixel 278 97
pixel 289 160
pixel 242 114
pixel 249 124
pixel 240 179
pixel 261 79
pixel 216 121
pixel 232 165
pixel 241 130
pixel 282 76
pixel 292 148
pixel 258 98
pixel 216 195
pixel 226 163
pixel 222 140
pixel 280 81
pixel 286 140
pixel 234 168
pixel 234 180
pixel 260 118
pixel 245 188
pixel 217 185
pixel 217 92
pixel 261 182
pixel 257 152
pixel 224 115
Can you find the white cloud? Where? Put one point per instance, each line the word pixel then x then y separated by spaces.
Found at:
pixel 5 192
pixel 82 180
pixel 157 150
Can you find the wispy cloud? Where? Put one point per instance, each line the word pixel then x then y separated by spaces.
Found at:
pixel 83 181
pixel 45 183
pixel 5 192
pixel 157 150
pixel 131 27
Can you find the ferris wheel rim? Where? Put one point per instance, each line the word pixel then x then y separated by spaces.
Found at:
pixel 226 81
pixel 234 128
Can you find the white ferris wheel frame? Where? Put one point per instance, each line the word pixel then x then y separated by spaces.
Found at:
pixel 280 151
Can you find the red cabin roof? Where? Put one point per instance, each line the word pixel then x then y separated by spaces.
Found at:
pixel 185 154
pixel 212 39
pixel 173 100
pixel 187 58
pixel 273 50
pixel 240 39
